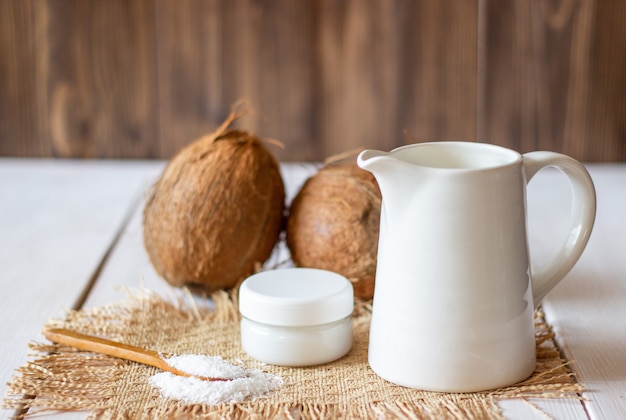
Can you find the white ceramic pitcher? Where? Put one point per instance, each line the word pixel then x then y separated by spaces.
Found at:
pixel 454 295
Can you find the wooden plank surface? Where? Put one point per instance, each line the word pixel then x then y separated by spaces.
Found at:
pixel 213 54
pixel 587 309
pixel 140 79
pixel 57 221
pixel 322 77
pixel 386 67
pixel 23 104
pixel 544 77
pixel 77 79
pixel 101 84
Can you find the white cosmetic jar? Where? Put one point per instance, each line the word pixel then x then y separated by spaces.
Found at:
pixel 296 316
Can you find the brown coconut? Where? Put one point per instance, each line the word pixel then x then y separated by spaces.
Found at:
pixel 333 224
pixel 216 212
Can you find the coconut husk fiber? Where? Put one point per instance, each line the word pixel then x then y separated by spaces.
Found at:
pixel 333 224
pixel 216 212
pixel 61 378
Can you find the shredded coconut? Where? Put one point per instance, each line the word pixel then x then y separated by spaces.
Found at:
pixel 207 366
pixel 242 383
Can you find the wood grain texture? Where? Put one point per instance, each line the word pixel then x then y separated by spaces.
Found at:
pixel 607 105
pixel 101 86
pixel 142 78
pixel 23 116
pixel 77 79
pixel 386 67
pixel 322 77
pixel 545 67
pixel 213 54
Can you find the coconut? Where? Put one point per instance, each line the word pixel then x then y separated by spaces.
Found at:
pixel 215 214
pixel 333 224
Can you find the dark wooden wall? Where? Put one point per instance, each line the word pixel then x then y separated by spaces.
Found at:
pixel 142 78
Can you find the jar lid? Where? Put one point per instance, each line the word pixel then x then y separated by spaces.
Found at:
pixel 296 297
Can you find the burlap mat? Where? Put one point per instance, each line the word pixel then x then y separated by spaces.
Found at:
pixel 60 378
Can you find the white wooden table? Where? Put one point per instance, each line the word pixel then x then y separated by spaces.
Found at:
pixel 70 235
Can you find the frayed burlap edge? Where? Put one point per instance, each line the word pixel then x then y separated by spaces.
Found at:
pixel 60 378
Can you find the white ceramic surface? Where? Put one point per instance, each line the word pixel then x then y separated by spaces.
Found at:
pixel 296 316
pixel 454 295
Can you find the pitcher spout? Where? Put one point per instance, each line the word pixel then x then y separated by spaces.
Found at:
pixel 385 164
pixel 396 177
pixel 371 159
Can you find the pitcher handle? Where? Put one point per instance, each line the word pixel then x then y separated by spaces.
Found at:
pixel 582 218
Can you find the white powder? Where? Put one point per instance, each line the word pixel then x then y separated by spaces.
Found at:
pixel 243 383
pixel 207 366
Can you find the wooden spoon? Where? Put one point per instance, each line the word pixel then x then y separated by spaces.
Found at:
pixel 115 349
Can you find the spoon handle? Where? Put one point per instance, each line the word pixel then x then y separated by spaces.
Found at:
pixel 115 349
